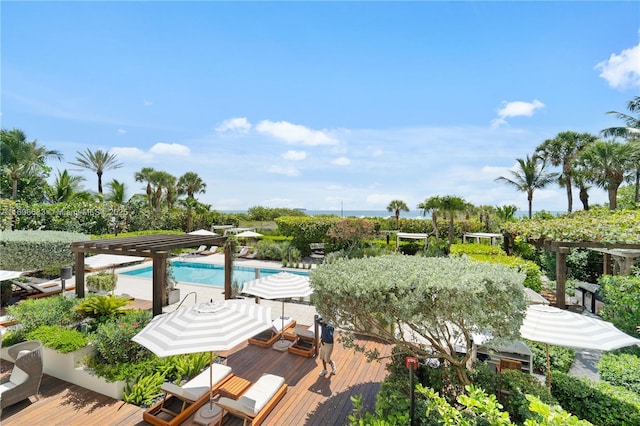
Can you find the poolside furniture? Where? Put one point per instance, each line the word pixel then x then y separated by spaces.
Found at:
pixel 257 402
pixel 304 342
pixel 198 250
pixel 24 287
pixel 210 251
pixel 181 402
pixel 275 333
pixel 26 374
pixel 48 289
pixel 243 252
pixel 249 255
pixel 317 251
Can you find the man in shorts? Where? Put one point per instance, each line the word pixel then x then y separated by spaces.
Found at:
pixel 326 346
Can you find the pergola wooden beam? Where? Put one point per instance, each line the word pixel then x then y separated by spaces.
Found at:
pixel 156 246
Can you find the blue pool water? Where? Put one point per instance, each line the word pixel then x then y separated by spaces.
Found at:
pixel 203 273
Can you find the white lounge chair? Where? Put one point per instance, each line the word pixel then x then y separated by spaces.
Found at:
pixel 257 402
pixel 210 251
pixel 198 250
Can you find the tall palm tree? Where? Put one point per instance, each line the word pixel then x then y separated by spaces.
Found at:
pixel 98 162
pixel 68 187
pixel 146 175
pixel 396 206
pixel 529 176
pixel 117 192
pixel 167 186
pixel 562 151
pixel 190 183
pixel 20 158
pixel 507 212
pixel 608 164
pixel 631 132
pixel 451 206
pixel 580 179
pixel 431 205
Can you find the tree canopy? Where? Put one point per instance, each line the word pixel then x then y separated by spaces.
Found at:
pixel 427 306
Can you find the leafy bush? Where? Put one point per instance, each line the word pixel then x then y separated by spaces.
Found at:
pixel 560 358
pixel 600 403
pixel 460 249
pixel 622 302
pixel 144 390
pixel 102 281
pixel 112 339
pixel 59 338
pixel 180 367
pixel 35 250
pixel 620 370
pixel 268 249
pixel 33 313
pixel 305 230
pixel 533 278
pixel 102 307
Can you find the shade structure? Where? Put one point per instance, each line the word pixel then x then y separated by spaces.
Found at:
pixel 202 232
pixel 249 234
pixel 9 275
pixel 279 286
pixel 204 327
pixel 554 326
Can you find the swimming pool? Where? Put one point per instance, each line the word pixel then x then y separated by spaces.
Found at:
pixel 207 274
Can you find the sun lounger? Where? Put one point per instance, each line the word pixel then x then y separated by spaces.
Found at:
pixel 24 287
pixel 212 250
pixel 257 402
pixel 243 252
pixel 48 289
pixel 198 250
pixel 272 335
pixel 181 402
pixel 305 342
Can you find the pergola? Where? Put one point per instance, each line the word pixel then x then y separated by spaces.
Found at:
pixel 155 246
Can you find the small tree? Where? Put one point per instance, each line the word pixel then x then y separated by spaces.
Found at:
pixel 395 207
pixel 426 306
pixel 349 234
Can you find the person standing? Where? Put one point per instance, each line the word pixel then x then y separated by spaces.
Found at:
pixel 326 346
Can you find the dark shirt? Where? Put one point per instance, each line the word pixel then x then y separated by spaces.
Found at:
pixel 327 331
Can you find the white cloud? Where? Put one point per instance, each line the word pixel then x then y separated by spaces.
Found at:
pixel 341 161
pixel 121 131
pixel 128 152
pixel 295 133
pixel 622 71
pixel 147 103
pixel 515 109
pixel 294 155
pixel 382 199
pixel 170 149
pixel 377 153
pixel 237 125
pixel 287 171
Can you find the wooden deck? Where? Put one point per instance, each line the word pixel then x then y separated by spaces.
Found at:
pixel 310 399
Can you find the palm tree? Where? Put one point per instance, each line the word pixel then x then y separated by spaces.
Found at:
pixel 581 182
pixel 396 206
pixel 117 192
pixel 608 163
pixel 146 175
pixel 431 205
pixel 98 162
pixel 20 158
pixel 451 206
pixel 529 176
pixel 68 188
pixel 190 183
pixel 507 212
pixel 562 151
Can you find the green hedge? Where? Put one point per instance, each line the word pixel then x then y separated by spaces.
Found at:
pixel 59 338
pixel 473 248
pixel 305 230
pixel 532 271
pixel 600 403
pixel 620 370
pixel 621 302
pixel 36 250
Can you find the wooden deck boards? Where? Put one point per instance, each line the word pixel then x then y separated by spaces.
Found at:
pixel 310 399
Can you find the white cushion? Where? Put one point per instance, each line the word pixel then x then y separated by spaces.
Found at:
pixel 277 323
pixel 7 386
pixel 199 385
pixel 259 394
pixel 18 376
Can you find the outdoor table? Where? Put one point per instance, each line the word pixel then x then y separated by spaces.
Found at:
pixel 234 387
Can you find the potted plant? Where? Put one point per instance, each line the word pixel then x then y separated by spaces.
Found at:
pixel 102 281
pixel 173 293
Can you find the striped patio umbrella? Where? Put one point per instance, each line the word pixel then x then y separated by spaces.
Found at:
pixel 279 286
pixel 554 326
pixel 204 327
pixel 9 275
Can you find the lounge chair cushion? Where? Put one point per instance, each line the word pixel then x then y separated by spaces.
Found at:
pixel 256 397
pixel 277 323
pixel 199 385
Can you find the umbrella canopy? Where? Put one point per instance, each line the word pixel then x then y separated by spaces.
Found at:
pixel 555 326
pixel 202 232
pixel 279 286
pixel 9 275
pixel 249 234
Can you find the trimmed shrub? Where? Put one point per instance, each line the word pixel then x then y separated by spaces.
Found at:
pixel 600 403
pixel 468 249
pixel 102 281
pixel 33 313
pixel 621 302
pixel 35 250
pixel 620 370
pixel 560 358
pixel 533 278
pixel 61 339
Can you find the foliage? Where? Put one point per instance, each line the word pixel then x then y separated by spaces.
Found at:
pixel 102 306
pixel 33 313
pixel 59 338
pixel 305 230
pixel 112 339
pixel 261 213
pixel 144 390
pixel 600 403
pixel 102 281
pixel 34 250
pixel 600 225
pixel 560 358
pixel 269 249
pixel 350 234
pixel 179 367
pixel 533 278
pixel 6 291
pixel 473 248
pixel 620 370
pixel 621 301
pixel 436 301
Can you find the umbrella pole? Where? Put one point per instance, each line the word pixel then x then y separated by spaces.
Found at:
pixel 282 316
pixel 548 368
pixel 210 380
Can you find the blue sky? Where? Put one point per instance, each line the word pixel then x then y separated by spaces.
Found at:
pixel 323 104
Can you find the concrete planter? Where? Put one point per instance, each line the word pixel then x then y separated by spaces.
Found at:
pixel 173 296
pixel 68 367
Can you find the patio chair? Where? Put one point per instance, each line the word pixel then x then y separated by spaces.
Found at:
pixel 243 252
pixel 24 287
pixel 305 342
pixel 268 337
pixel 210 251
pixel 26 374
pixel 180 402
pixel 257 402
pixel 48 289
pixel 198 250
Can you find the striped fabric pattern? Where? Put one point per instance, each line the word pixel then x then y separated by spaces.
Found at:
pixel 279 286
